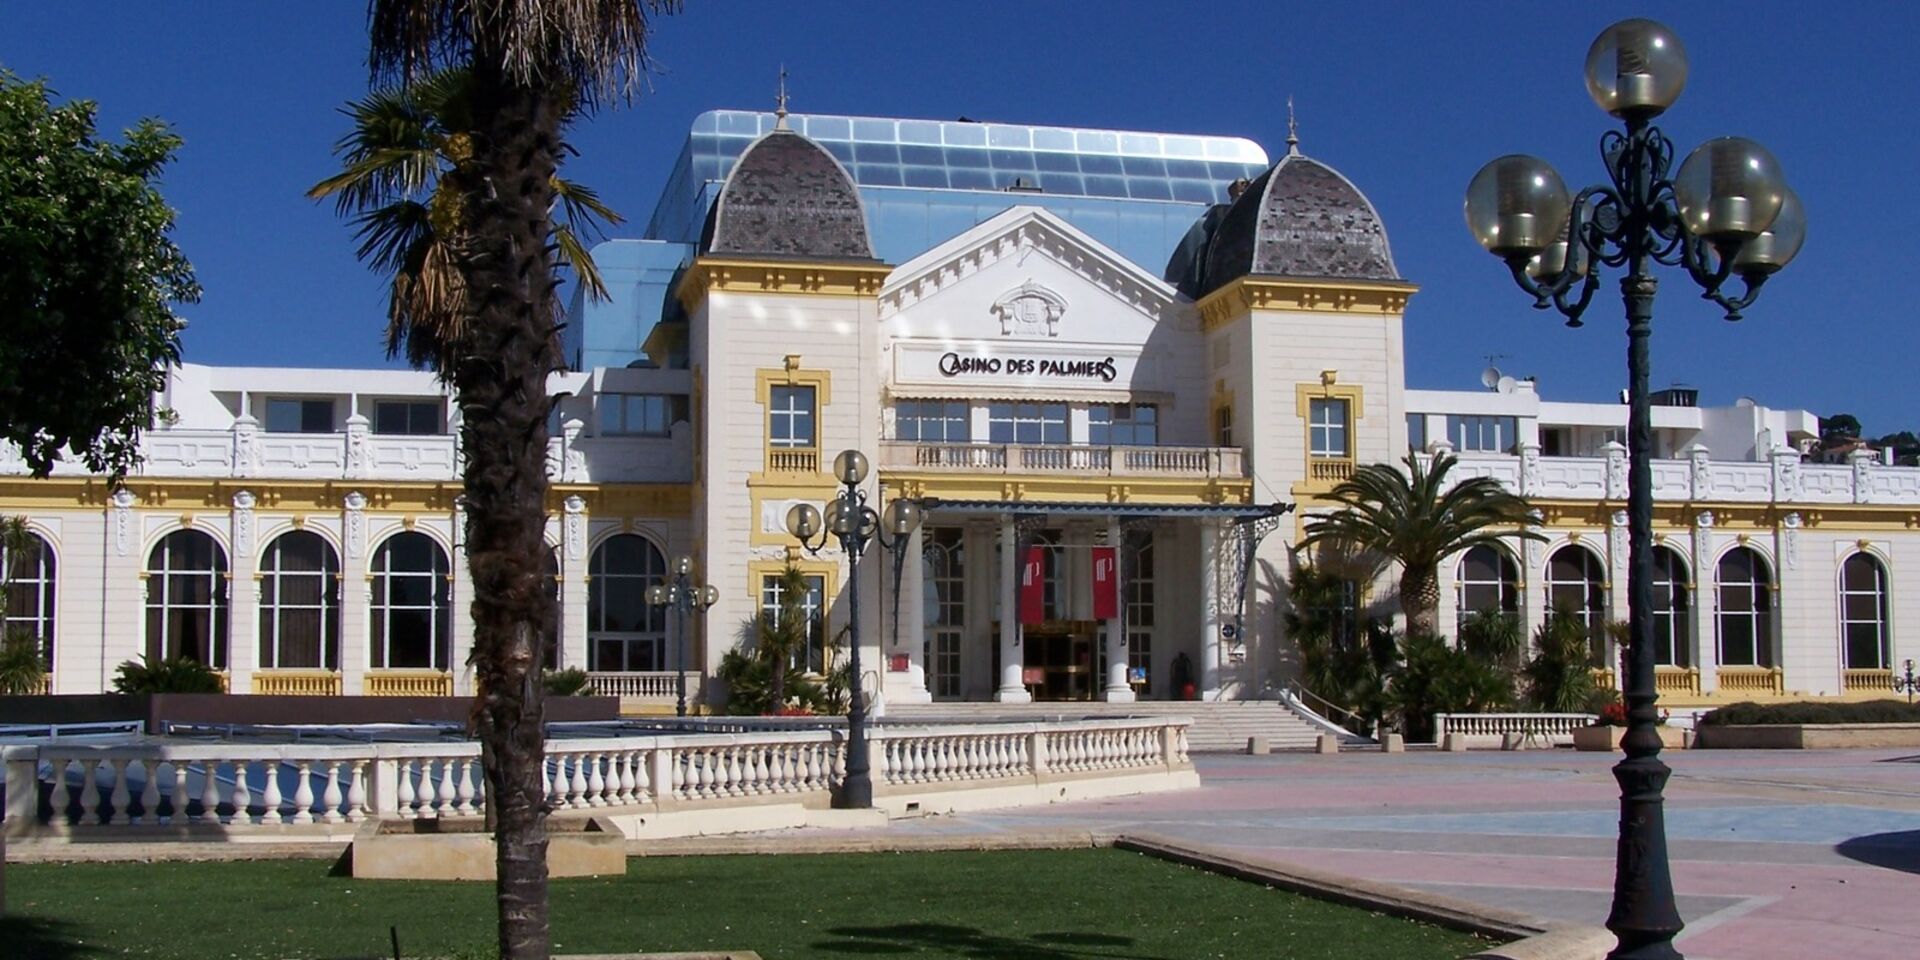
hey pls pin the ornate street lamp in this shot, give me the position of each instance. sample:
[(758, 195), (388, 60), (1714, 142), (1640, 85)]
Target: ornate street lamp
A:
[(1727, 213), (849, 520), (685, 597), (1907, 684)]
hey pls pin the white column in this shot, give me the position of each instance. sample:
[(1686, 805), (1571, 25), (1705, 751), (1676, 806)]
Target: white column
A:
[(461, 603), (1706, 647), (1209, 610), (1118, 690), (356, 595), (573, 585), (911, 686), (243, 598), (1011, 690)]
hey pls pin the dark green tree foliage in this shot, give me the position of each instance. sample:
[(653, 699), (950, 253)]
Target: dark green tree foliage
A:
[(173, 675), (1440, 678), (1560, 674), (1345, 655), (1871, 711), (88, 280)]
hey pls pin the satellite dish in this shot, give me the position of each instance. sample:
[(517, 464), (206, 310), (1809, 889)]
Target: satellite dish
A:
[(1505, 384), (1490, 377)]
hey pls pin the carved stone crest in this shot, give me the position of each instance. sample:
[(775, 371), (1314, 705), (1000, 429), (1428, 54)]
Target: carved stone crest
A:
[(1030, 310), (122, 500), (575, 529)]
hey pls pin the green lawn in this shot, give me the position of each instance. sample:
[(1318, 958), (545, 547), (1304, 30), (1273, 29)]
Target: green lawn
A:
[(1018, 905)]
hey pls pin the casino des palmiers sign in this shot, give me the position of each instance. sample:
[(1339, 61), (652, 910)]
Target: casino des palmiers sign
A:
[(1095, 366)]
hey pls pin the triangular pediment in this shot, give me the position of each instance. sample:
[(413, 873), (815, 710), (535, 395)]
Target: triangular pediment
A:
[(1028, 273)]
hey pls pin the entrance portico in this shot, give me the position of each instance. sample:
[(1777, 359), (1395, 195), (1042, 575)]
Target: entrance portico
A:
[(961, 634)]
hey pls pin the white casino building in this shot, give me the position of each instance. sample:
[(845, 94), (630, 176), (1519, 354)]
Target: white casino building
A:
[(1054, 338)]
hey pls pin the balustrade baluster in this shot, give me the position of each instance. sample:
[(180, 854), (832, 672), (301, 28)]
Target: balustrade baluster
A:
[(303, 792), (356, 792), (779, 773), (242, 797), (270, 793), (623, 777), (431, 803), (405, 792), (445, 795), (464, 789), (89, 793), (120, 798), (596, 781), (150, 792), (178, 800), (577, 787), (210, 791)]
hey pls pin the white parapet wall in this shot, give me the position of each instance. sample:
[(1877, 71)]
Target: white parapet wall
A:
[(650, 786), (1489, 729)]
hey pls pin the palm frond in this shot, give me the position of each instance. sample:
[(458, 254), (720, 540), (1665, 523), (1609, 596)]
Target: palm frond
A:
[(574, 254), (597, 47)]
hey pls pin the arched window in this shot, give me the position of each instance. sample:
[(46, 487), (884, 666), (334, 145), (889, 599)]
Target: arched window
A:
[(1670, 603), (1863, 613), (1745, 597), (28, 567), (624, 632), (299, 603), (187, 599), (1488, 580), (943, 569), (1577, 586), (412, 604)]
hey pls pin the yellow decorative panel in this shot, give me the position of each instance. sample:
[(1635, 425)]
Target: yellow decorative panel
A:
[(408, 683), (297, 683)]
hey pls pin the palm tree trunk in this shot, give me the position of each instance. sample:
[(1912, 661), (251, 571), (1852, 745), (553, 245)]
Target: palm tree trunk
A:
[(1420, 598), (500, 380)]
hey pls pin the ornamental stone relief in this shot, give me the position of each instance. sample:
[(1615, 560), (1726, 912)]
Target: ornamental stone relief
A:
[(1030, 310)]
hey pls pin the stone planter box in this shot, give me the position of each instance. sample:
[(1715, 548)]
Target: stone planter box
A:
[(1809, 736), (1608, 738), (462, 849)]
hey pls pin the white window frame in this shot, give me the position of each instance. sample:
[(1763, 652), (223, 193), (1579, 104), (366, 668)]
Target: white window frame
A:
[(160, 580), (273, 605), (786, 414), (640, 650), (1756, 612), (1329, 428), (38, 583), (1015, 416), (439, 608), (1881, 623), (813, 658)]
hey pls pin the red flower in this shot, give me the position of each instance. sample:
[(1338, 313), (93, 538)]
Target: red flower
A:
[(1613, 715)]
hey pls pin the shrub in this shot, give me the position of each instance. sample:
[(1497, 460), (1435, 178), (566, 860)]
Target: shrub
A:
[(173, 675), (1494, 636), (1871, 711), (1560, 674), (1436, 678), (22, 668), (571, 682)]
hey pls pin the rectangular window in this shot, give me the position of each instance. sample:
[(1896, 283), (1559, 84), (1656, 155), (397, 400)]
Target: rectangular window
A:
[(1482, 433), (1223, 425), (299, 416), (813, 659), (1123, 424), (790, 417), (932, 421), (1417, 431), (1327, 427), (1027, 423), (640, 414), (413, 418)]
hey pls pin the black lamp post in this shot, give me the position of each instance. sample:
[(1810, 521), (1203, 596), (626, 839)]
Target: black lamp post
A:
[(1727, 212), (1907, 684), (685, 597), (849, 520)]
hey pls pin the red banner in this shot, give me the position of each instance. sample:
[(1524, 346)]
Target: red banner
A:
[(1033, 586), (1106, 583)]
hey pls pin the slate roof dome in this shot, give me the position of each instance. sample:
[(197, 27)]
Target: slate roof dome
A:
[(788, 197), (1301, 220)]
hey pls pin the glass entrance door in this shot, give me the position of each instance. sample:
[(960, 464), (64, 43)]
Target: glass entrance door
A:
[(1059, 660)]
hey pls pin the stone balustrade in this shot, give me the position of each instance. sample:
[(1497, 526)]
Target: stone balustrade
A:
[(1078, 459), (237, 790), (1486, 729), (654, 686), (1782, 477)]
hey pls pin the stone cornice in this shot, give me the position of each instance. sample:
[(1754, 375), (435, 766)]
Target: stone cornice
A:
[(382, 496), (797, 277), (1364, 297)]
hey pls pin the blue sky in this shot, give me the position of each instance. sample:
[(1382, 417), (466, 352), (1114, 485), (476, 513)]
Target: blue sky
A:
[(1407, 99)]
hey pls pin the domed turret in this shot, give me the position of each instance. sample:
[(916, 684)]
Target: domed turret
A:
[(1300, 220), (788, 197)]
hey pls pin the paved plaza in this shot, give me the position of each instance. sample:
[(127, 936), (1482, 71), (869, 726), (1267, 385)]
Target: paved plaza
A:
[(1776, 854)]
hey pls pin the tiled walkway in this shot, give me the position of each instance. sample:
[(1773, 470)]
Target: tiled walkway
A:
[(1776, 854)]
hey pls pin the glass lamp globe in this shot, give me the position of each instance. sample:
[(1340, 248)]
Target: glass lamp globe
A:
[(657, 595), (1777, 245), (902, 517), (1516, 205), (1552, 261), (839, 521), (1729, 189), (1636, 69), (803, 521), (709, 595), (683, 565), (850, 466)]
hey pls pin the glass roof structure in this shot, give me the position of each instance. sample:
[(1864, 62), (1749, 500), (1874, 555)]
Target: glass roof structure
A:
[(964, 155)]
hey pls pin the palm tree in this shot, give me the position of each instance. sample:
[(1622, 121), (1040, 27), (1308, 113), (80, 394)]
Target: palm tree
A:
[(531, 65), (409, 215), (1415, 518)]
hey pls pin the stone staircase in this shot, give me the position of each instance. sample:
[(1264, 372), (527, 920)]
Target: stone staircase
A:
[(1218, 726)]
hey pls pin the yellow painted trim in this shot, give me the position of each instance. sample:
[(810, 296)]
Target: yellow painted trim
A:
[(797, 277), (828, 570), (762, 487), (1366, 297), (384, 497), (1321, 474), (1014, 488), (804, 461)]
